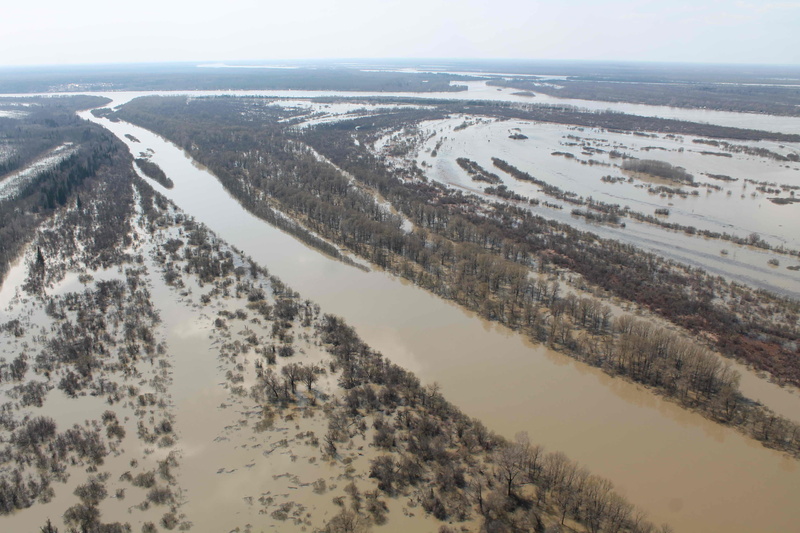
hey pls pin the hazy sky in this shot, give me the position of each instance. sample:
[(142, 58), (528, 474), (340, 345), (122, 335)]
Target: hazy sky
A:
[(95, 31)]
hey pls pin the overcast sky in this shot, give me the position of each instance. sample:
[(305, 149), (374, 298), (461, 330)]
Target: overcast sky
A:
[(103, 31)]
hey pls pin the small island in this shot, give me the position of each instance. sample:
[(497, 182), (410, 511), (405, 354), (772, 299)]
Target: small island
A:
[(154, 172)]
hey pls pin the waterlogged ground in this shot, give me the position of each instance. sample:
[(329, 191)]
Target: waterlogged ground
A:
[(583, 156), (120, 411), (182, 437), (736, 207), (577, 159), (8, 113)]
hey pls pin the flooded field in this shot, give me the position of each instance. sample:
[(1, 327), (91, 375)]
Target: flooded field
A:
[(194, 447), (578, 160), (679, 467), (575, 159)]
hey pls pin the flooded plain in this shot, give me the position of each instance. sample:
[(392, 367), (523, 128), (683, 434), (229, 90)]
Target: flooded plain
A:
[(733, 207), (226, 473), (677, 466), (575, 159)]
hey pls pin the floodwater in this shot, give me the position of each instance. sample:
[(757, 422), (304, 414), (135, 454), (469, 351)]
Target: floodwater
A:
[(69, 411), (244, 473), (677, 466), (225, 469), (739, 213), (229, 475), (721, 118), (715, 210)]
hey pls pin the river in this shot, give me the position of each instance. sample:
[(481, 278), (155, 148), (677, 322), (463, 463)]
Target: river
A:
[(676, 465)]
